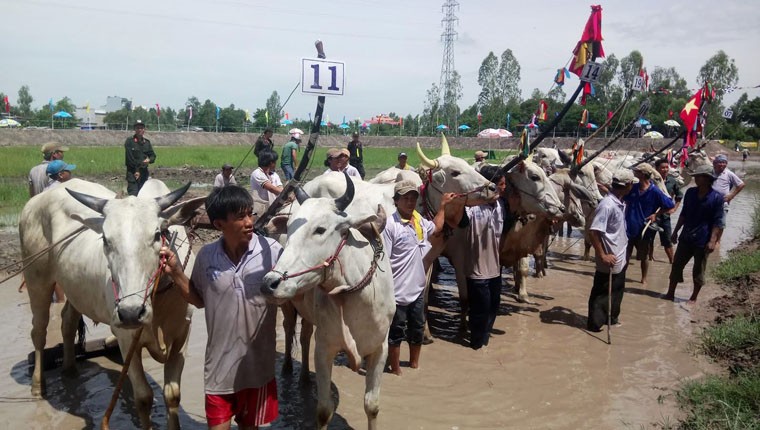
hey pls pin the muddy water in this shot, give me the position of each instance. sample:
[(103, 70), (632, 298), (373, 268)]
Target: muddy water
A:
[(541, 369)]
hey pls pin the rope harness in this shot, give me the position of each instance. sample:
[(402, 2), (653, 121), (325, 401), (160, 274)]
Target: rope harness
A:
[(377, 251)]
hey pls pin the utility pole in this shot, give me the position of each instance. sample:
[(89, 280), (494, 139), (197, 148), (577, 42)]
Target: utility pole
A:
[(449, 35)]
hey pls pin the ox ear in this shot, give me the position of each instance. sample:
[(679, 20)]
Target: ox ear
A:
[(277, 225), (582, 193), (368, 230), (181, 213), (95, 223)]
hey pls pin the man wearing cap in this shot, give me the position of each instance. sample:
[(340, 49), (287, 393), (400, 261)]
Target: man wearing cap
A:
[(265, 182), (38, 177), (226, 177), (402, 158), (643, 204), (610, 242), (289, 157), (701, 218), (59, 172), (406, 238), (727, 183), (139, 153), (480, 159), (356, 154), (337, 161)]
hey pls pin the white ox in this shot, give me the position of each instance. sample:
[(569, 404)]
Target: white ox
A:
[(116, 255), (394, 174), (341, 282)]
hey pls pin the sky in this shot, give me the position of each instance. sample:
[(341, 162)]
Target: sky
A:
[(239, 51)]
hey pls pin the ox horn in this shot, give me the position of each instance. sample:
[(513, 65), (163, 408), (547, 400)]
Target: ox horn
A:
[(301, 195), (342, 202), (444, 145), (426, 162), (171, 198), (94, 203)]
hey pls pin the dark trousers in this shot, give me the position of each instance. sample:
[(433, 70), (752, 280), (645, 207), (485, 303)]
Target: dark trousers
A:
[(484, 296), (134, 185), (358, 165), (597, 301), (408, 323)]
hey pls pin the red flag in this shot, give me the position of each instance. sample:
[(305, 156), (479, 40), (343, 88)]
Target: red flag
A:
[(610, 114), (670, 114), (158, 110), (643, 73), (542, 110), (590, 45), (400, 121), (690, 116), (7, 105), (480, 118)]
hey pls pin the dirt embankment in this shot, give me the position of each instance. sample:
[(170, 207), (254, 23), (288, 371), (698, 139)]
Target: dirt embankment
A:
[(25, 137)]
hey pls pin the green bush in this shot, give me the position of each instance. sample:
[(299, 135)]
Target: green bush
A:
[(737, 266), (736, 334)]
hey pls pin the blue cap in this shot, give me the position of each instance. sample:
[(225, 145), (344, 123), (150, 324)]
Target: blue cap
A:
[(57, 166)]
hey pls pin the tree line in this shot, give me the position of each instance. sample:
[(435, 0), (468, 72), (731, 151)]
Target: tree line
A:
[(500, 104)]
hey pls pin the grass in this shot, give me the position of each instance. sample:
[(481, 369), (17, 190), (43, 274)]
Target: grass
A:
[(96, 162), (738, 266), (720, 402), (732, 336)]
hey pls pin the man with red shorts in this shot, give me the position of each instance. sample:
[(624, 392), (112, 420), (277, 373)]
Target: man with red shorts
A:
[(239, 377)]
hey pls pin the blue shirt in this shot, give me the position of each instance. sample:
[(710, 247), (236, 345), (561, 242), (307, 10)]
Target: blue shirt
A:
[(700, 216), (640, 205)]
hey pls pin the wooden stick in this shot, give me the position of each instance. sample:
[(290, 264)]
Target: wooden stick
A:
[(115, 396), (609, 308)]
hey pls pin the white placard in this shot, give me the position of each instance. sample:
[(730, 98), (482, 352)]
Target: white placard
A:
[(638, 83), (322, 77), (591, 72), (728, 113)]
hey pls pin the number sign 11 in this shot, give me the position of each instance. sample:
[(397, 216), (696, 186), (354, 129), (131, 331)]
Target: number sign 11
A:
[(322, 77)]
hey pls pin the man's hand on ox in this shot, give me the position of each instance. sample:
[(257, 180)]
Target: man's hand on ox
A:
[(171, 267)]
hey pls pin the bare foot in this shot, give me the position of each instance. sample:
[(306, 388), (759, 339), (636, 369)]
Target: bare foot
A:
[(396, 372), (414, 365), (692, 302), (644, 282)]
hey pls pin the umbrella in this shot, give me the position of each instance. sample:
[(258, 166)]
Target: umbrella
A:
[(642, 121), (672, 123), (591, 126), (323, 124), (9, 123), (286, 122), (464, 127), (295, 131), (344, 126), (366, 125), (62, 114), (654, 135), (531, 125), (492, 133), (442, 127)]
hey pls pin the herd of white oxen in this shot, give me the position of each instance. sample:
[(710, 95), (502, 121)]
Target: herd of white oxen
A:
[(334, 223)]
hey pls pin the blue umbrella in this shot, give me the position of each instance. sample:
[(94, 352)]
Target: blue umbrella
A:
[(286, 122), (344, 126), (62, 114), (642, 121), (442, 127), (464, 127), (323, 124)]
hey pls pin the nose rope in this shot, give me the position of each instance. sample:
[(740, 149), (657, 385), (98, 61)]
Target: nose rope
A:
[(329, 261), (428, 207)]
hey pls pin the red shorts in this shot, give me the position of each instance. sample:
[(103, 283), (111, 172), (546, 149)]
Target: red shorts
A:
[(250, 407)]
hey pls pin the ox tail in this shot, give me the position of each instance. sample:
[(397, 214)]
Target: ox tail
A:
[(81, 332)]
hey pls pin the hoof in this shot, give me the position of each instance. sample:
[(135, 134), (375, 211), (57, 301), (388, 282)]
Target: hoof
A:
[(522, 299), (38, 392)]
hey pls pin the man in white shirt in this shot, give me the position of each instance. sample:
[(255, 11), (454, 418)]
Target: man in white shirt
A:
[(337, 161), (38, 177), (226, 177), (727, 183), (406, 237), (265, 183)]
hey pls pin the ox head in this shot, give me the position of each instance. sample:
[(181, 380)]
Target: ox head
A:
[(578, 200), (537, 194), (315, 231), (132, 232), (449, 174)]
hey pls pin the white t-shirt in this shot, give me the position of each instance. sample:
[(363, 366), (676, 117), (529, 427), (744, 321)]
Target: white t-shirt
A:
[(350, 171), (405, 252), (220, 182), (38, 178), (484, 236), (609, 220), (258, 179)]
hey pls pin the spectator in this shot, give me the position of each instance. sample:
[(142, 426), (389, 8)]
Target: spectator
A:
[(663, 220), (265, 183), (59, 172), (356, 154), (139, 154), (406, 237), (701, 219), (38, 177), (643, 204), (239, 379), (608, 236), (337, 161), (480, 160), (264, 143), (226, 177), (289, 158), (402, 158), (726, 183)]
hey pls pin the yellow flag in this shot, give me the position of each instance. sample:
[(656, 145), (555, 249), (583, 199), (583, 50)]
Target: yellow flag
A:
[(247, 115), (88, 107), (266, 115)]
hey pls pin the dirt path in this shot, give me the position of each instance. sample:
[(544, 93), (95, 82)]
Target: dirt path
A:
[(541, 370)]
